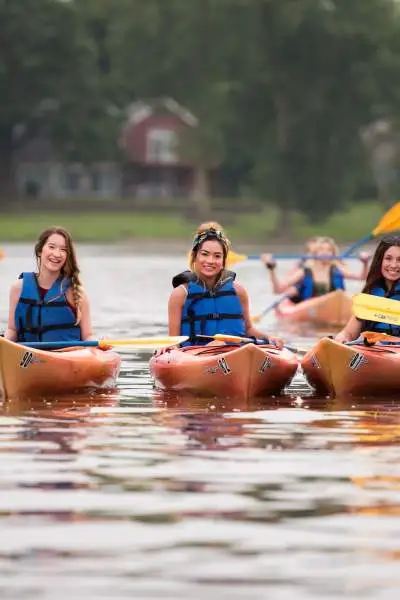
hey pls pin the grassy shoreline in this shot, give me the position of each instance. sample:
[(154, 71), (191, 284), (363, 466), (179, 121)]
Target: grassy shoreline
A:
[(141, 228)]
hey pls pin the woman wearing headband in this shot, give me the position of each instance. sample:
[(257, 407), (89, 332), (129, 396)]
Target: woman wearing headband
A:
[(207, 300)]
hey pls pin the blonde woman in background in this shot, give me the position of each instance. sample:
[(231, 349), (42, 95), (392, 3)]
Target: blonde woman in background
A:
[(316, 276)]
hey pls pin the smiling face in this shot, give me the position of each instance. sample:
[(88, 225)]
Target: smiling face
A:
[(54, 253), (209, 260), (391, 265)]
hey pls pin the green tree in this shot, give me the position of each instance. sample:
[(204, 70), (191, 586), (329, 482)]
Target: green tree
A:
[(45, 67)]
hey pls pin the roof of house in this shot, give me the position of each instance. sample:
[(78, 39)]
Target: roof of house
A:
[(141, 109)]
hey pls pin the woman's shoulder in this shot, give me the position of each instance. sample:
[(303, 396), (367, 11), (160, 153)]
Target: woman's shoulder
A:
[(16, 286), (239, 288), (180, 291)]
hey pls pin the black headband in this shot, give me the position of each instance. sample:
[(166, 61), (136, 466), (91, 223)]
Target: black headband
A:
[(209, 234)]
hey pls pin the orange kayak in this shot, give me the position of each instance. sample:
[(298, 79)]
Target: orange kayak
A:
[(333, 309), (336, 369), (224, 370), (27, 372)]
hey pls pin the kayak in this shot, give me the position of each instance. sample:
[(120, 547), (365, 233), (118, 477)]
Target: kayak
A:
[(224, 370), (28, 372), (342, 370), (333, 309)]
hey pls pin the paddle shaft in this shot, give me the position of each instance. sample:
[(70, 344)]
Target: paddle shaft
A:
[(60, 345), (137, 342)]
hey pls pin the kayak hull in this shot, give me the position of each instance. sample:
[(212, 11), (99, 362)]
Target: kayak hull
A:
[(333, 309), (224, 370), (341, 370), (28, 372)]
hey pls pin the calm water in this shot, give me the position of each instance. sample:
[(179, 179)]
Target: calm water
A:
[(134, 495)]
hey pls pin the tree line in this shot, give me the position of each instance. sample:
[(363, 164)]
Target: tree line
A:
[(283, 89)]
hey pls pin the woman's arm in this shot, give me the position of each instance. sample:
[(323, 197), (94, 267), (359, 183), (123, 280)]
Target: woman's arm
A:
[(351, 331), (279, 287), (86, 319), (175, 306), (250, 329), (362, 276), (15, 292)]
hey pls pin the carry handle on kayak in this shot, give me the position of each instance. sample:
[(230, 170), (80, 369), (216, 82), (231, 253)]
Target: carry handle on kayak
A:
[(236, 339)]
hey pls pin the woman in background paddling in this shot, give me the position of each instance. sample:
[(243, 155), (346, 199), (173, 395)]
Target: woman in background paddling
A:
[(383, 280), (315, 277), (50, 305), (207, 300)]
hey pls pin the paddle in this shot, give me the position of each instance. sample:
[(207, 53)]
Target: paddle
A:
[(275, 303), (237, 339), (388, 223), (135, 342), (375, 308)]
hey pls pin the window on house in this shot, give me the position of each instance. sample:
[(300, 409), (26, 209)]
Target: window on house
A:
[(97, 181), (72, 181), (161, 146)]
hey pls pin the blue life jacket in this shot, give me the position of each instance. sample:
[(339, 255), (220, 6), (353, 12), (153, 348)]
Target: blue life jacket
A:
[(381, 291), (207, 312), (306, 286), (48, 319)]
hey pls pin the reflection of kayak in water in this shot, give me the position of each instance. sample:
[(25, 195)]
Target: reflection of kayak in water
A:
[(68, 408), (341, 370), (225, 370), (381, 482), (2, 254), (332, 309)]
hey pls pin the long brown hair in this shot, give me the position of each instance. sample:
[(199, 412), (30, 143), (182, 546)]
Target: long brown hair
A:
[(375, 271), (209, 231), (70, 270)]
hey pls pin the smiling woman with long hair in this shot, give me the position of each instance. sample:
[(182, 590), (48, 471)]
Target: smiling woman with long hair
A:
[(383, 279), (50, 304)]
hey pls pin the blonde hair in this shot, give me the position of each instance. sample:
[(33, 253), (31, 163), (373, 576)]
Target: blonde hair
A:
[(333, 246), (70, 270), (209, 231), (331, 242)]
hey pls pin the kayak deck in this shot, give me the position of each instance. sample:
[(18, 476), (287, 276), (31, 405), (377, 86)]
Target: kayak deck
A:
[(358, 370), (333, 309), (224, 370)]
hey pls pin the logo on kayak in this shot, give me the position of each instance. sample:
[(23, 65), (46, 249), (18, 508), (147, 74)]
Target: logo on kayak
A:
[(267, 364), (315, 362), (26, 360), (223, 365), (29, 359), (357, 361)]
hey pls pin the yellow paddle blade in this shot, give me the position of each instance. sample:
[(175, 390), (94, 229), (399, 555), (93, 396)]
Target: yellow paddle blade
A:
[(234, 258), (389, 222), (375, 308), (256, 318), (155, 342), (373, 337)]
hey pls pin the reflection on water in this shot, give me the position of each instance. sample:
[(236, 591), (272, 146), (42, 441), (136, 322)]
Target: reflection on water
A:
[(138, 494)]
